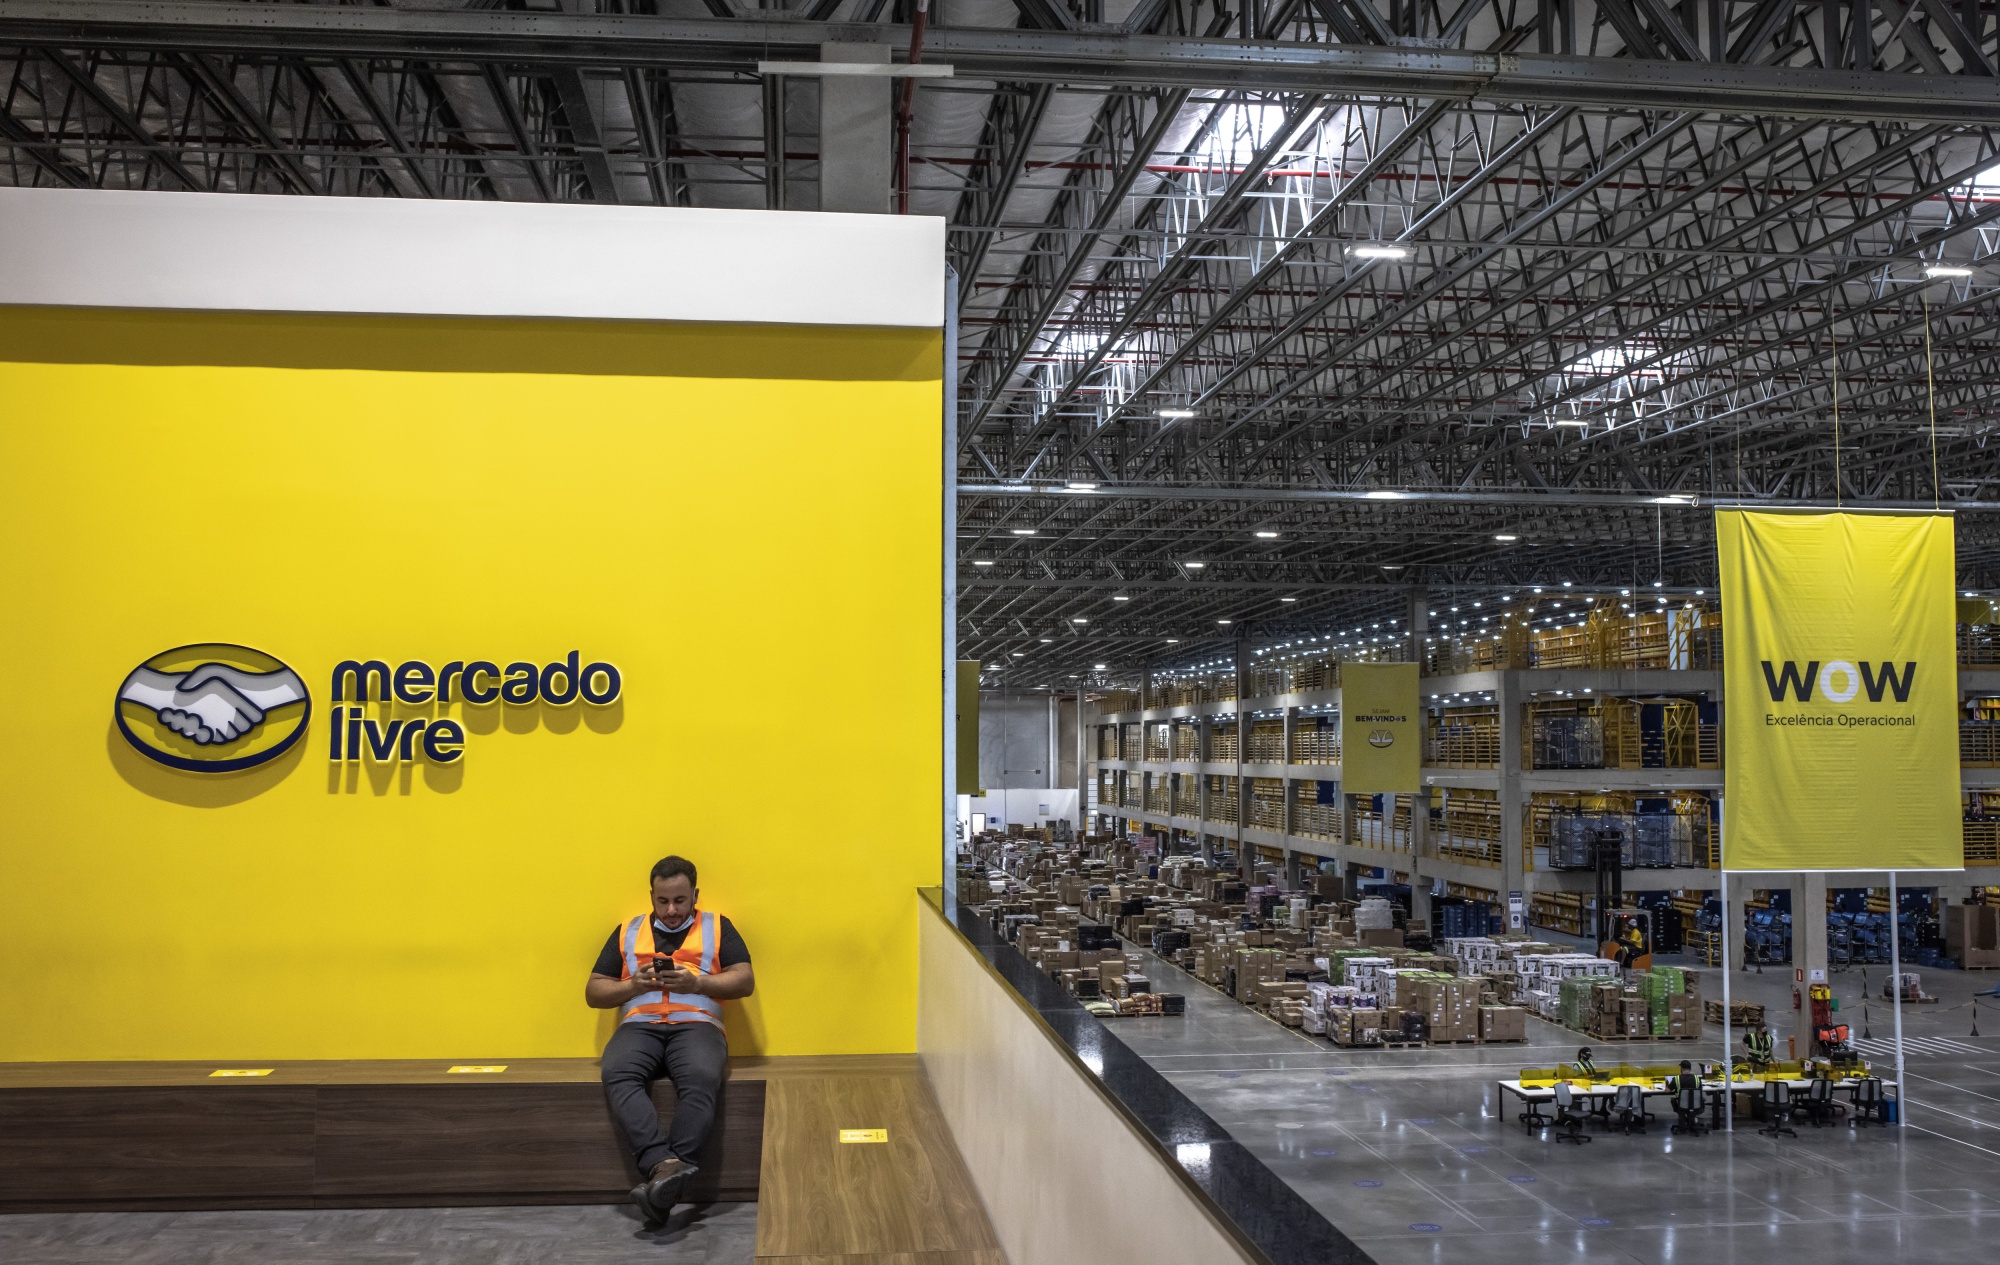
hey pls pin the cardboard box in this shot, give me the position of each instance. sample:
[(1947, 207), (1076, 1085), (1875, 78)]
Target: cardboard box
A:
[(1972, 935), (1503, 1023), (1380, 938)]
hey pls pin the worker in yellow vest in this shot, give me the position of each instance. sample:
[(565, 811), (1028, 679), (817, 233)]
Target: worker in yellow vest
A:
[(668, 971), (1758, 1043)]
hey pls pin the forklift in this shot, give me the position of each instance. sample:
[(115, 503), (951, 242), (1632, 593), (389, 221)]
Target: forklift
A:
[(1625, 936)]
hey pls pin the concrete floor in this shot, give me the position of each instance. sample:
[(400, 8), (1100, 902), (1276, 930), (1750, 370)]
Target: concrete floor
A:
[(1414, 1156), (718, 1234)]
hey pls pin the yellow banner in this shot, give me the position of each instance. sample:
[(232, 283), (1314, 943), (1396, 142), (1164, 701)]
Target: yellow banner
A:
[(1840, 689), (1381, 728), (968, 728)]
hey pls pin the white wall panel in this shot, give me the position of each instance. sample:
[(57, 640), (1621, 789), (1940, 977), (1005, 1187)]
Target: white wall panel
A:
[(259, 253), (1064, 1176)]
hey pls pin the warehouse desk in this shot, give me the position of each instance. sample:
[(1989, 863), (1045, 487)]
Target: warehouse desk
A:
[(1598, 1094)]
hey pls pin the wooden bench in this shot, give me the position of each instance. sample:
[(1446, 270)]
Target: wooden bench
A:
[(377, 1133), (160, 1136)]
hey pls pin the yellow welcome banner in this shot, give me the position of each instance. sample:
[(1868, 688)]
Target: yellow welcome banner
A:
[(1381, 728), (1840, 692)]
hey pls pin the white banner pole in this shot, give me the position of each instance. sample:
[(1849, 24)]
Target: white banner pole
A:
[(1896, 986), (1728, 1081)]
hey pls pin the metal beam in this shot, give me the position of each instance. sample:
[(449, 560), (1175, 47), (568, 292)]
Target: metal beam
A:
[(586, 133), (1098, 56), (1011, 123), (219, 81), (1025, 320), (46, 153), (1550, 499), (123, 119)]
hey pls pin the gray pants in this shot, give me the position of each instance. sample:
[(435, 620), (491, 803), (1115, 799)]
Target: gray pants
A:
[(691, 1055)]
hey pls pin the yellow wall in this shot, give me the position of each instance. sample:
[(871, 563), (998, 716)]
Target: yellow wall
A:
[(744, 519)]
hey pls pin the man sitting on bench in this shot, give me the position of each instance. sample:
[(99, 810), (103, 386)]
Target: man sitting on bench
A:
[(668, 971)]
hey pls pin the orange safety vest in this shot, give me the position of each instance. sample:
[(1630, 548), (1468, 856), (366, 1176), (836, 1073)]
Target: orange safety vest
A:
[(699, 952)]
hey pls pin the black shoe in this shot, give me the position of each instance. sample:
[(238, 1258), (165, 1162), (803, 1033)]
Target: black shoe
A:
[(649, 1216), (663, 1187)]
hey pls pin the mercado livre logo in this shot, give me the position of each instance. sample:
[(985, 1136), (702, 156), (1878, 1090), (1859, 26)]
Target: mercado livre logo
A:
[(212, 707)]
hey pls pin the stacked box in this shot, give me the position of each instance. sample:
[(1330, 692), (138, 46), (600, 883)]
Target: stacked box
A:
[(1354, 1027), (1670, 1004), (1503, 1023), (1972, 935), (1636, 1021), (1363, 971)]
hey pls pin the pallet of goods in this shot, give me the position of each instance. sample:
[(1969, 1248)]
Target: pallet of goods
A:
[(1331, 968), (1742, 1014)]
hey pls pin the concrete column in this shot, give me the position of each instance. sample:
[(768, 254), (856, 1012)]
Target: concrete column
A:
[(1082, 771), (1419, 622), (1242, 667), (1050, 763), (1513, 800), (1420, 899), (1203, 732), (856, 151), (1808, 948)]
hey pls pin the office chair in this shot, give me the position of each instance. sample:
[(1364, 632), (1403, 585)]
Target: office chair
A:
[(1777, 1109), (1868, 1101), (1567, 1115), (1819, 1102), (1630, 1105), (1687, 1105)]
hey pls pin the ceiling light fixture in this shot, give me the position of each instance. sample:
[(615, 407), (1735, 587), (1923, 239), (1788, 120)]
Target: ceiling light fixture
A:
[(1267, 535), (981, 562), (1224, 621), (1195, 566), (1079, 620), (1120, 597), (1504, 538), (1174, 414), (1075, 486), (1383, 494), (1023, 531), (1294, 599), (1936, 271), (1379, 250), (1673, 500)]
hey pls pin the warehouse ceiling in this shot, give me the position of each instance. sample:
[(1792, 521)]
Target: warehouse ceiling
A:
[(1271, 311)]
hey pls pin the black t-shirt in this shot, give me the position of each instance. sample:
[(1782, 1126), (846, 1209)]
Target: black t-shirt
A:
[(611, 961)]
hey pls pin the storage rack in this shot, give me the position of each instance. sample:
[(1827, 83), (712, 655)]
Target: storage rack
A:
[(1657, 737), (1464, 737)]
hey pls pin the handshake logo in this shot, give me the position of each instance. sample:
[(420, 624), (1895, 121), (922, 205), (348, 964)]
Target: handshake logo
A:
[(212, 708)]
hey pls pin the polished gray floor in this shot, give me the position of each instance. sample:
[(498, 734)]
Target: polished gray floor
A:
[(1415, 1157), (719, 1234)]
